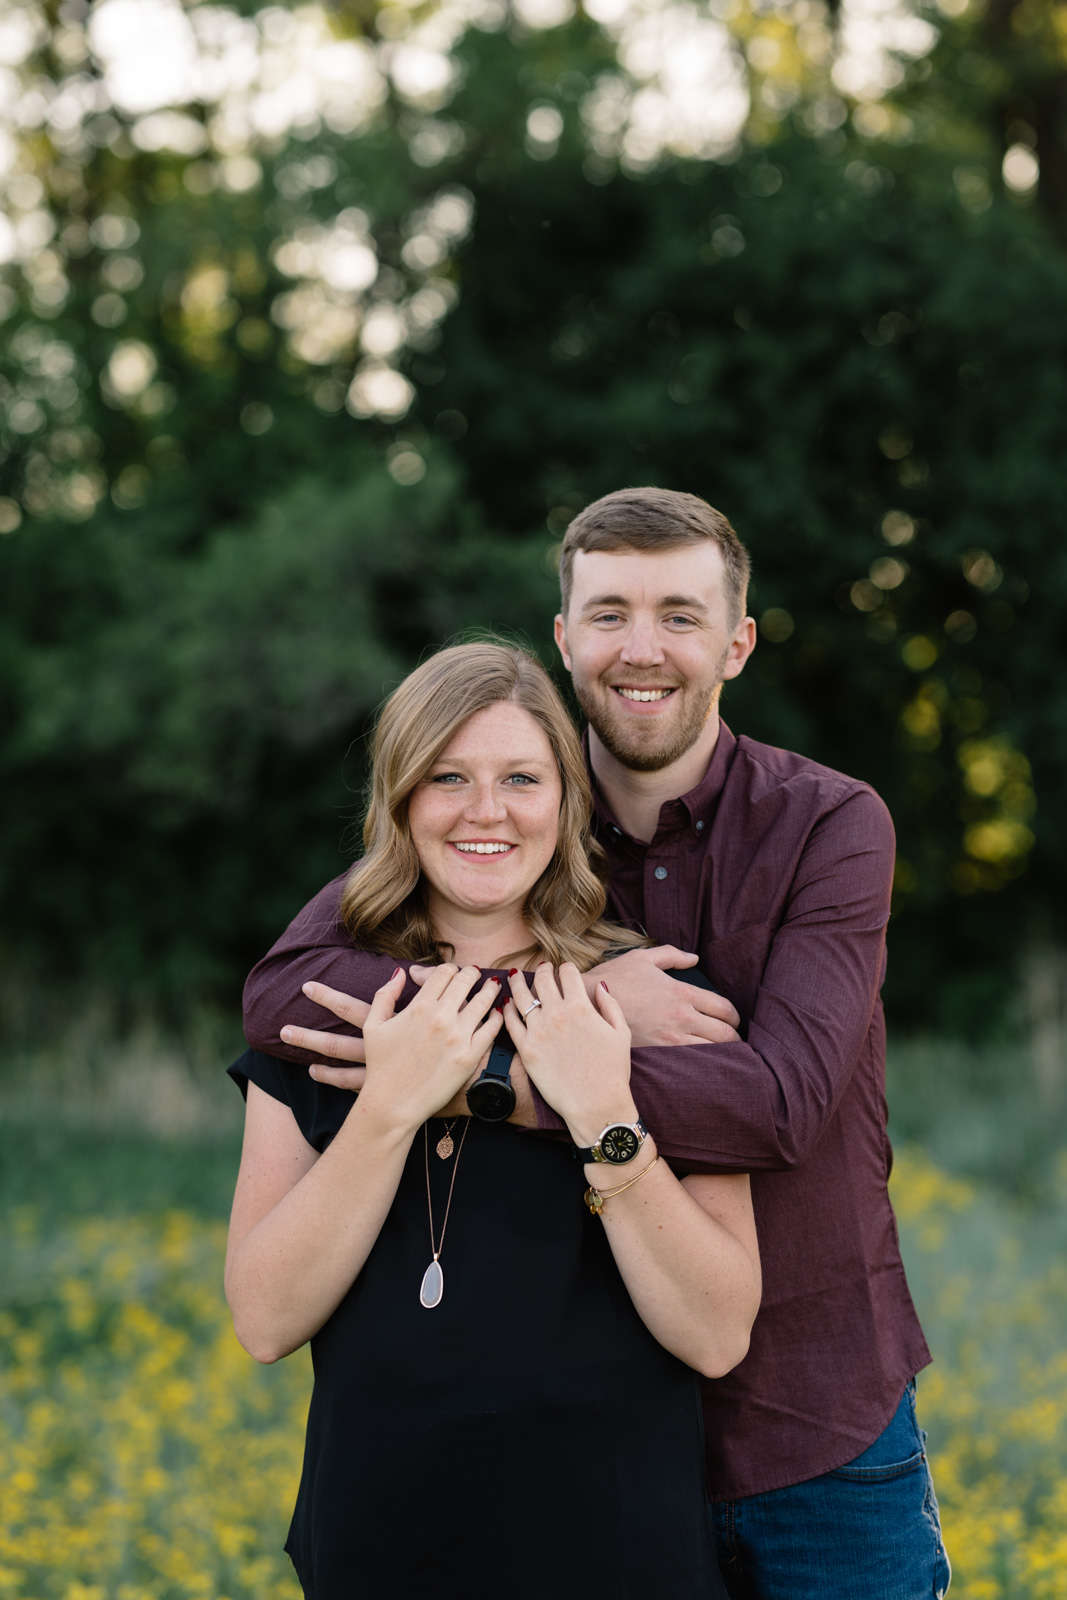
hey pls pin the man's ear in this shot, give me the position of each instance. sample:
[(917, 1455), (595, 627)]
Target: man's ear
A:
[(560, 630), (741, 647)]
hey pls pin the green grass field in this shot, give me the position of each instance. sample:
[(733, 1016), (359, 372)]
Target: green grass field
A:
[(145, 1457)]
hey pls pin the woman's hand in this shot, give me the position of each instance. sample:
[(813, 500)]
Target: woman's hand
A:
[(576, 1052), (419, 1060)]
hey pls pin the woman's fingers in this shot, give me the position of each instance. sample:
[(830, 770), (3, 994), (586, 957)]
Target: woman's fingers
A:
[(570, 981), (383, 1006), (514, 1024), (435, 984), (482, 1001), (608, 1007), (447, 986), (482, 1038), (547, 984), (520, 992), (519, 984), (546, 988), (462, 986)]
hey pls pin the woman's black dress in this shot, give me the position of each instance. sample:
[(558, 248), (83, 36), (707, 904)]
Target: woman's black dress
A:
[(527, 1439)]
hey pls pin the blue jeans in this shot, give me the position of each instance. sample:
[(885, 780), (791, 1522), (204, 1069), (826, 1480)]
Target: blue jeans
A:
[(867, 1531)]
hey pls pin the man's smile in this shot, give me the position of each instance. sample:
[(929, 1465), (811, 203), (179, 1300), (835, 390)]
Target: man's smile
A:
[(642, 696)]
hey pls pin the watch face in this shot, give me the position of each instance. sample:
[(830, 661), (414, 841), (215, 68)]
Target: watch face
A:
[(491, 1101), (619, 1144)]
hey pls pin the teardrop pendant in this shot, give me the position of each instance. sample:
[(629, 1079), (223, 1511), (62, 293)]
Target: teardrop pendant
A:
[(433, 1286), (445, 1146)]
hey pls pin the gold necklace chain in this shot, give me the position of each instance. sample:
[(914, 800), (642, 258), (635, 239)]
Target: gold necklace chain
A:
[(432, 1290)]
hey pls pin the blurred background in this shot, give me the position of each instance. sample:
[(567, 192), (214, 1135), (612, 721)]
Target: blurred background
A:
[(320, 322)]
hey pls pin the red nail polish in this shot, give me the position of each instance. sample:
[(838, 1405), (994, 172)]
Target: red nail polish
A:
[(604, 986), (396, 973), (500, 1009), (513, 972)]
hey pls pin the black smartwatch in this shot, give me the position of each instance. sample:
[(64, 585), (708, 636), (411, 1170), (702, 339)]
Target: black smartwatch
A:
[(491, 1098)]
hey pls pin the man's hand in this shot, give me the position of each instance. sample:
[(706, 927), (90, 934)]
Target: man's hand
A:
[(659, 1010), (338, 1045)]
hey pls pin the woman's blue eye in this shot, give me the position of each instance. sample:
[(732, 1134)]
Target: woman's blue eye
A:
[(457, 777)]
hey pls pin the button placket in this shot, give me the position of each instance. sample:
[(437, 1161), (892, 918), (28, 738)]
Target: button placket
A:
[(662, 883)]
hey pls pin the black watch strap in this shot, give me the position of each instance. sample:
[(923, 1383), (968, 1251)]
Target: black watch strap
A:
[(500, 1059)]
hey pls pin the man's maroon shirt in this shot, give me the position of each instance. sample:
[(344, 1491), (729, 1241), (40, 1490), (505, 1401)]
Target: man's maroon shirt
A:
[(777, 873)]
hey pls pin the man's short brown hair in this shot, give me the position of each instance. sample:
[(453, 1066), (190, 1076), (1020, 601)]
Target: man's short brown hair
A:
[(655, 519)]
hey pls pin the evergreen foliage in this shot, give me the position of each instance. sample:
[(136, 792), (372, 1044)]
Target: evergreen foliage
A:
[(220, 570)]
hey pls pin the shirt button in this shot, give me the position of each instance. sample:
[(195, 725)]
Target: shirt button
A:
[(616, 831), (660, 872), (700, 826)]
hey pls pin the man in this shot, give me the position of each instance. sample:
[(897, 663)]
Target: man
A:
[(774, 874)]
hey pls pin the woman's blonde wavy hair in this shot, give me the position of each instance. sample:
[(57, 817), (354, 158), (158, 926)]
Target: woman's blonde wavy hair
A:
[(383, 906)]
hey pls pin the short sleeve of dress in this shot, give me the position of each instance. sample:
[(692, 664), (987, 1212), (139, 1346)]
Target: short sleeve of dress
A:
[(318, 1108)]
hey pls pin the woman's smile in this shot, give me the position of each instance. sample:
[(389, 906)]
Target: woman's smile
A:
[(481, 847)]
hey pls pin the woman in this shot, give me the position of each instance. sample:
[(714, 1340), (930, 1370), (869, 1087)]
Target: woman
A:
[(505, 1397)]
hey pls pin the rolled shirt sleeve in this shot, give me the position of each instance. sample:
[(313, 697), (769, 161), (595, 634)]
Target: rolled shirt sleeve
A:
[(807, 1003)]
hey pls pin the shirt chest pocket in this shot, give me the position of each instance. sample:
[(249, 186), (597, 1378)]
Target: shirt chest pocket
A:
[(735, 964)]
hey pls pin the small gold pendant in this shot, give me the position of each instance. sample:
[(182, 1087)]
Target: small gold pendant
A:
[(594, 1200), (445, 1146)]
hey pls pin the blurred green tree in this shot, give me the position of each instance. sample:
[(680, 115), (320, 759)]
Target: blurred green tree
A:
[(283, 410)]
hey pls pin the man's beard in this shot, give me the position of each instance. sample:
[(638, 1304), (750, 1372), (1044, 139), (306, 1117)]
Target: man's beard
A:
[(635, 746)]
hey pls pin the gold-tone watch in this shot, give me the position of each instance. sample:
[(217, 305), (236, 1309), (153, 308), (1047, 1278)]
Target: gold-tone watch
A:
[(619, 1143)]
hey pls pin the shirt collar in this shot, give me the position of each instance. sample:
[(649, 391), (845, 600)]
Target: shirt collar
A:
[(695, 809)]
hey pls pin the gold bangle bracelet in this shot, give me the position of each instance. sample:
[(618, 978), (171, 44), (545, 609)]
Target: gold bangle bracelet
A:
[(594, 1198)]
